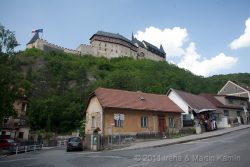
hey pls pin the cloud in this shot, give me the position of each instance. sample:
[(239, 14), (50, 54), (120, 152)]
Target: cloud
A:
[(202, 66), (244, 39), (172, 40)]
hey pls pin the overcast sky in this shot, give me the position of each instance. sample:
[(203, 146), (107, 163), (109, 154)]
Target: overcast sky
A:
[(206, 37)]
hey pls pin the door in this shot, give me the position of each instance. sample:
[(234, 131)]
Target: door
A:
[(162, 125)]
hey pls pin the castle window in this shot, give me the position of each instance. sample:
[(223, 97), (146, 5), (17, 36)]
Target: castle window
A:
[(105, 49), (116, 51)]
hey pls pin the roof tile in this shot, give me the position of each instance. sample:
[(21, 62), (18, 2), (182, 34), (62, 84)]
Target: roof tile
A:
[(112, 98)]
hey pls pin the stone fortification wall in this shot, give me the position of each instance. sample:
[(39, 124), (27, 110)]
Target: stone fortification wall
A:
[(144, 53), (48, 47)]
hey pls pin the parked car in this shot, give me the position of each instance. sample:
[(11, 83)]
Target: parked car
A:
[(74, 143), (8, 144)]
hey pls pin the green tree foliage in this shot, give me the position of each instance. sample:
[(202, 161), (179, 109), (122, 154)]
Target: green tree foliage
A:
[(58, 85), (8, 75), (7, 40)]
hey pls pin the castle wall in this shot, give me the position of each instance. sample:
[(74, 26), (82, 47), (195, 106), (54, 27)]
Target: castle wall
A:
[(112, 50), (48, 47), (101, 46), (144, 53)]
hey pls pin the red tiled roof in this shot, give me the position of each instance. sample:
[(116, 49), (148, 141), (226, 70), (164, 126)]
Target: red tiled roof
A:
[(195, 101), (120, 99), (217, 103)]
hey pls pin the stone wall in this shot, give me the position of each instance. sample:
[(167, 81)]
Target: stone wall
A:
[(111, 50), (100, 47), (143, 53), (48, 47)]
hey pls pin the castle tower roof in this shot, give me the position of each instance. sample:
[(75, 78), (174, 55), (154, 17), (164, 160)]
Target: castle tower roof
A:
[(34, 38)]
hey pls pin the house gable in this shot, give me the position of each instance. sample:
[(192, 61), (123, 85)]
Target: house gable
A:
[(94, 112), (178, 100), (231, 88)]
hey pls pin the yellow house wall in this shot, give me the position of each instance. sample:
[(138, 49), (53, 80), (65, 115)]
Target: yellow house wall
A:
[(132, 122)]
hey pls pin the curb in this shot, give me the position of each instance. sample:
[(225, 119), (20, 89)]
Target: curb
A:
[(3, 156), (184, 141)]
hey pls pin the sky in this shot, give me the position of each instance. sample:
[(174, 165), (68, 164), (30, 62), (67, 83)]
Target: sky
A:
[(206, 37)]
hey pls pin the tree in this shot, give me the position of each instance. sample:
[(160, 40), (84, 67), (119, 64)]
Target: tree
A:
[(7, 73), (7, 40)]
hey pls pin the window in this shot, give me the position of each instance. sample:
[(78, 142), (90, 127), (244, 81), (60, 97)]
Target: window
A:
[(226, 113), (230, 101), (118, 123), (5, 120), (20, 135), (23, 106), (238, 113), (118, 119), (144, 122), (171, 122), (93, 121)]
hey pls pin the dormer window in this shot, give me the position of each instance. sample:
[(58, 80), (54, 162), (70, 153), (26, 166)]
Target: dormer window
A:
[(142, 98)]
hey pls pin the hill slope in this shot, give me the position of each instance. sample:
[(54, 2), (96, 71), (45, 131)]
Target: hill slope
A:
[(58, 84)]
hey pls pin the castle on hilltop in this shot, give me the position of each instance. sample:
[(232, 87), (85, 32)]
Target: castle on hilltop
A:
[(105, 44)]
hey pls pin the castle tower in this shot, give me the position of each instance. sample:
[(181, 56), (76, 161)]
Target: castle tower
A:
[(31, 43)]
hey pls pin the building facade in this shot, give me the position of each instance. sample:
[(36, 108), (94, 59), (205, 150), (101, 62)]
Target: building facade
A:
[(17, 127), (191, 104), (235, 89), (126, 113), (230, 109)]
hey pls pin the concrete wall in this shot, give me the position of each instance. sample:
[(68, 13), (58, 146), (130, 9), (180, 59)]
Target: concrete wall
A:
[(25, 131)]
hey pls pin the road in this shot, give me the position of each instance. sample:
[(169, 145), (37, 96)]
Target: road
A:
[(229, 150)]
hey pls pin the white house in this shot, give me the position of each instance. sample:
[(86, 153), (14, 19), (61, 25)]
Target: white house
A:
[(189, 102)]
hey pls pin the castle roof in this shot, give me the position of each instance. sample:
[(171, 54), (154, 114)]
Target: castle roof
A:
[(154, 49), (34, 38), (149, 46), (112, 35)]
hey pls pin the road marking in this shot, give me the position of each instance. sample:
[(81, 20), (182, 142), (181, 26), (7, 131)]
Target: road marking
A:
[(14, 160)]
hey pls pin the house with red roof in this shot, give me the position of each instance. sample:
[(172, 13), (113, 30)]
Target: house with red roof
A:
[(230, 110), (126, 113), (191, 104)]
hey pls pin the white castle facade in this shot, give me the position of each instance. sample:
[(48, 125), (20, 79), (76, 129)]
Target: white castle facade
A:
[(105, 44)]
